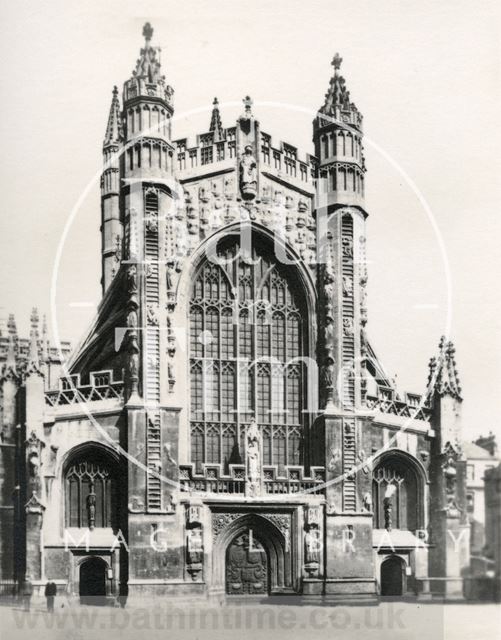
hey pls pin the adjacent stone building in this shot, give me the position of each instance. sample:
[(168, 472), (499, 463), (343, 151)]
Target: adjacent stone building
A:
[(493, 525), (481, 456), (225, 428)]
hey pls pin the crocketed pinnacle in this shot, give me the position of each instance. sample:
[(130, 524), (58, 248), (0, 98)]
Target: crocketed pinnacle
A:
[(148, 66), (10, 362), (11, 325), (33, 356), (216, 126), (337, 94), (443, 378), (113, 129)]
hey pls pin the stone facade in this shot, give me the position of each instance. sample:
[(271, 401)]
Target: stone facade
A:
[(493, 524), (481, 456), (362, 494)]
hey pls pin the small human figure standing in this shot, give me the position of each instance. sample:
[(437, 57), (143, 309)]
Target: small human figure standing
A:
[(123, 594), (50, 595), (26, 593)]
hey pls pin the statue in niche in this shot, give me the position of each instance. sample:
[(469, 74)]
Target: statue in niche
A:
[(335, 459), (312, 545), (253, 451), (195, 546), (329, 335), (248, 174), (253, 459), (91, 509), (169, 274), (387, 507)]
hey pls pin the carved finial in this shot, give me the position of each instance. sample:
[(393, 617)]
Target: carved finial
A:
[(336, 61), (45, 339), (34, 319), (147, 32), (443, 377), (33, 351), (11, 354), (215, 122), (248, 105), (113, 128), (11, 325)]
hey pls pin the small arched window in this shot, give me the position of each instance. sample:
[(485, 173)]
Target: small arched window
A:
[(91, 492), (396, 496)]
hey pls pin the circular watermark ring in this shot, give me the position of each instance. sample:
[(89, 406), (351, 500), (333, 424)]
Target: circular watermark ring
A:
[(268, 104)]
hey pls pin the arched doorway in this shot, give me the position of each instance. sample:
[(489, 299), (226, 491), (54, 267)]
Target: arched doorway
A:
[(246, 566), (269, 543), (392, 576), (93, 581)]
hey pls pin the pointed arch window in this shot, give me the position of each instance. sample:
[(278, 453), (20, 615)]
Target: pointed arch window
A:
[(248, 330), (396, 495), (91, 492)]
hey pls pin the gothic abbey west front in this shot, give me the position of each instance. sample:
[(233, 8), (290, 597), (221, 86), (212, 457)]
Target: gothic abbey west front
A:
[(226, 427)]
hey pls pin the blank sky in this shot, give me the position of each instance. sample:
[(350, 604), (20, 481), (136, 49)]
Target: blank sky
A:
[(424, 74)]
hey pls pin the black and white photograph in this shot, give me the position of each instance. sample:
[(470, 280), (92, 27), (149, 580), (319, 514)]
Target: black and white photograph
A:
[(250, 370)]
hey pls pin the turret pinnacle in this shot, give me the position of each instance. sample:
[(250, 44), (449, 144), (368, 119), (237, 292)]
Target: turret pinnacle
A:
[(148, 66), (443, 378), (337, 97), (11, 326), (113, 129), (10, 362), (45, 340), (215, 122), (33, 352), (147, 80)]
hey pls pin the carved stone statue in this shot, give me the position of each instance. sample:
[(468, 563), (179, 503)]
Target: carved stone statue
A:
[(195, 548), (248, 174), (312, 546), (91, 509), (253, 458), (253, 452), (387, 508)]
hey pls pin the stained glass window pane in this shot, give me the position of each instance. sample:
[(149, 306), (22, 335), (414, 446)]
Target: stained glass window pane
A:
[(196, 328), (278, 336), (245, 330), (227, 340), (213, 445), (197, 448), (228, 391), (279, 447), (212, 333)]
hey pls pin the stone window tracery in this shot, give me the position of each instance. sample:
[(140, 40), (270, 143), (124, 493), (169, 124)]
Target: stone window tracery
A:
[(395, 495), (90, 485), (247, 338)]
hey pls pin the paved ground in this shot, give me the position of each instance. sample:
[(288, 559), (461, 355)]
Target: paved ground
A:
[(160, 619)]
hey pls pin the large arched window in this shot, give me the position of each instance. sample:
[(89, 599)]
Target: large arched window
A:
[(247, 341), (397, 497), (91, 491)]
